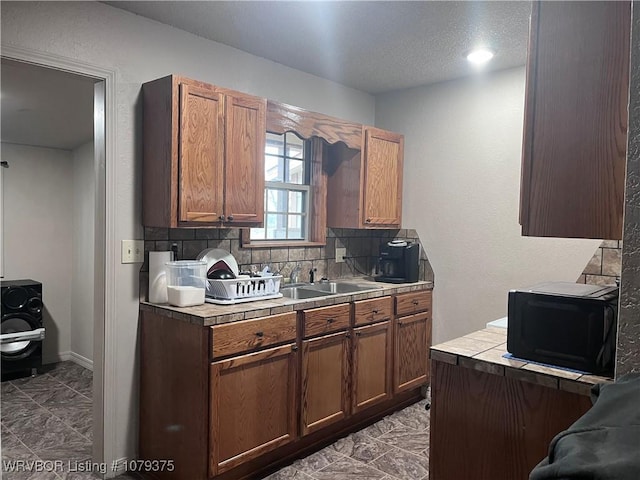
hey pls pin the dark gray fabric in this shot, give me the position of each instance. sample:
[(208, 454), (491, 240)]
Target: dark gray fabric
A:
[(603, 444)]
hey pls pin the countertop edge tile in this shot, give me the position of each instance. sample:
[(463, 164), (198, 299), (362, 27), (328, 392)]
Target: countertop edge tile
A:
[(211, 314)]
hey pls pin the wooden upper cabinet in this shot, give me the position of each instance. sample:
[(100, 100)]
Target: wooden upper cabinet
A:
[(203, 162), (575, 130), (382, 178), (364, 187), (201, 155), (244, 175)]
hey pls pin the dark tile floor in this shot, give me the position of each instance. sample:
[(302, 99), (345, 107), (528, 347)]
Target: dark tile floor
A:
[(396, 447), (48, 418)]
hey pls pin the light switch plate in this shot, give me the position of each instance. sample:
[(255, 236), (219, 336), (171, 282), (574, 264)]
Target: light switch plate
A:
[(132, 251), (340, 254)]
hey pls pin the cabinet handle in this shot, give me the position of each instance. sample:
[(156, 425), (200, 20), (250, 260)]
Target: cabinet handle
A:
[(368, 220), (230, 218), (375, 312), (399, 323), (222, 218), (358, 334), (415, 302), (294, 348), (329, 320), (259, 334)]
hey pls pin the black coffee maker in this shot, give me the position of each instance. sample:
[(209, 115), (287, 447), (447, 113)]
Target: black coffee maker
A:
[(398, 262)]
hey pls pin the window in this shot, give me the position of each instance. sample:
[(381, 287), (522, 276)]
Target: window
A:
[(287, 189)]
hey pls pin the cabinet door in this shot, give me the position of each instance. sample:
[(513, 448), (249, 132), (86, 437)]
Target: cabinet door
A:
[(252, 407), (575, 132), (411, 351), (325, 375), (382, 189), (201, 155), (244, 175), (371, 365)]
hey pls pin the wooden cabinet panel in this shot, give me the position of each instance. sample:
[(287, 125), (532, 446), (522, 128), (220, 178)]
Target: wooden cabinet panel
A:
[(283, 118), (325, 319), (575, 133), (370, 311), (245, 143), (372, 363), (414, 302), (411, 351), (252, 406), (382, 199), (238, 337), (364, 187), (325, 376), (203, 156), (503, 425)]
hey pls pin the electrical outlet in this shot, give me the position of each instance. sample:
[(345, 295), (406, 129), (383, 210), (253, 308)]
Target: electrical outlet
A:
[(132, 251), (340, 254)]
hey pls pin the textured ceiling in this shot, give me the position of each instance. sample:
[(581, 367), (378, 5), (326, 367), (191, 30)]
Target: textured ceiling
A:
[(45, 107), (371, 46)]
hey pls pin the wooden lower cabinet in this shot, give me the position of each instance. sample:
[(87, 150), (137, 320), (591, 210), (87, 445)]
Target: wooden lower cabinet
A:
[(492, 427), (252, 406), (236, 400), (412, 336), (372, 361), (325, 377)]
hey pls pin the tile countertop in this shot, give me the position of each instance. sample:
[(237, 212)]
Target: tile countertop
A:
[(483, 350), (210, 314)]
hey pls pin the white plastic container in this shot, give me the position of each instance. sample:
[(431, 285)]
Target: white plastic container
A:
[(158, 276), (186, 282)]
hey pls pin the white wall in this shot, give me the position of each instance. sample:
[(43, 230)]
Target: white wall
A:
[(37, 233), (140, 50), (463, 142), (83, 213)]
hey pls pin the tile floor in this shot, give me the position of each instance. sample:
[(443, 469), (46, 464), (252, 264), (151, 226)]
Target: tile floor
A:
[(396, 447), (48, 417)]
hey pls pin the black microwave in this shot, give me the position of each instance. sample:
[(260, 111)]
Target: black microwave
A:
[(564, 324)]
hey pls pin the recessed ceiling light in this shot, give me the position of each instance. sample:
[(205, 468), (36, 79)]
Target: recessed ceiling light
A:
[(479, 56)]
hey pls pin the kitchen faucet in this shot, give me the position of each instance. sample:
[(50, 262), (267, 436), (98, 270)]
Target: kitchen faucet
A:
[(311, 275), (294, 275)]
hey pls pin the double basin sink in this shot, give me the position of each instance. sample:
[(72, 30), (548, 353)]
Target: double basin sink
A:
[(300, 291)]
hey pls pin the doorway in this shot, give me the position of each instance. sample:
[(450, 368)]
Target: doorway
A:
[(53, 140)]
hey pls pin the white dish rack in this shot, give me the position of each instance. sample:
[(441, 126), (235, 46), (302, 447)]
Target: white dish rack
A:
[(238, 290)]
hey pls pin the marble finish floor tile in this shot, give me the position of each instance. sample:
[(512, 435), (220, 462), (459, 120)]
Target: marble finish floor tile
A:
[(402, 465), (49, 418), (394, 448), (348, 469), (289, 473), (406, 438), (361, 446), (318, 460)]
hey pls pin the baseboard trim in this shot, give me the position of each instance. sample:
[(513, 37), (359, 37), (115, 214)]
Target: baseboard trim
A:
[(73, 357), (80, 360)]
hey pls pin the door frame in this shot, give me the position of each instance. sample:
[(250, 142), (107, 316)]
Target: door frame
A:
[(106, 245)]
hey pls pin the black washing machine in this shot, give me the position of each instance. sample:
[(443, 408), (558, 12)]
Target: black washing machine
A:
[(22, 331)]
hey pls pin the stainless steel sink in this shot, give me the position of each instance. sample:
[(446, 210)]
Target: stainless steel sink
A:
[(339, 287), (300, 293)]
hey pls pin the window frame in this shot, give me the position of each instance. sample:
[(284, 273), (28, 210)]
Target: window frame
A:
[(316, 223)]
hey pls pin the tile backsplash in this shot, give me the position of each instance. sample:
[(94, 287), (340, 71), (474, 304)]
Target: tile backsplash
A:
[(605, 265), (361, 245)]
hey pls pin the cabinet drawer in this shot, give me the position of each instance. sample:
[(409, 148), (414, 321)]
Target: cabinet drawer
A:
[(325, 319), (414, 302), (238, 337), (374, 310)]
